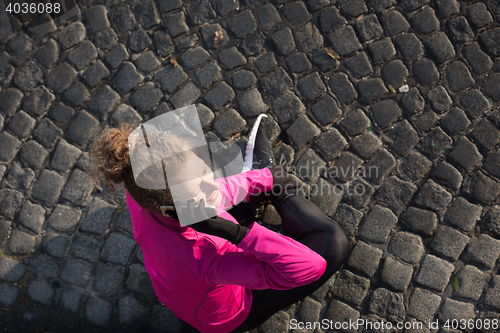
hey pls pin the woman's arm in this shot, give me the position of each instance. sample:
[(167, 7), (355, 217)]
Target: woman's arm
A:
[(265, 260)]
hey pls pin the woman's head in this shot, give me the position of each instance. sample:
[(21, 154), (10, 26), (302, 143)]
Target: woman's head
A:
[(113, 148)]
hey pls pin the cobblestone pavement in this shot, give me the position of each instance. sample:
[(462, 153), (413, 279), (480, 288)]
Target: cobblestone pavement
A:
[(408, 90)]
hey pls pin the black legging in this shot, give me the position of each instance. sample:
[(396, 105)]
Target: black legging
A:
[(308, 224)]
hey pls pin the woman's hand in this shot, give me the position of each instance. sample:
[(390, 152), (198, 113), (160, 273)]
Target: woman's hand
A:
[(216, 226)]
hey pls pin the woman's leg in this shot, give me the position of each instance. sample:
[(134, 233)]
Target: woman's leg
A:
[(308, 224)]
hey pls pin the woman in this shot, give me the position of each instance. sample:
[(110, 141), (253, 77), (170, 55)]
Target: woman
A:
[(215, 274)]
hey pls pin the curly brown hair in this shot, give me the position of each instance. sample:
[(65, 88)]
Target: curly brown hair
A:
[(111, 158)]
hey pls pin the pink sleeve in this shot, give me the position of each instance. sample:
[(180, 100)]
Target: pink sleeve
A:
[(238, 187), (266, 260)]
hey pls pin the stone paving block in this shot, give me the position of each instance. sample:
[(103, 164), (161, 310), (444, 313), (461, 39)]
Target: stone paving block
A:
[(410, 46), (21, 124), (211, 73), (139, 281), (460, 30), (455, 310), (268, 16), (298, 63), (423, 304), (8, 295), (491, 87), (478, 15), (474, 103), (251, 104), (253, 44), (40, 292), (465, 154), (123, 19), (47, 55), (225, 7), (420, 220), (170, 78), (440, 47), (345, 167), (242, 79), (147, 14), (490, 40), (486, 134), (124, 114), (284, 154), (11, 270), (439, 98), (229, 123), (427, 120), (176, 24), (338, 313), (388, 305), (448, 242), (458, 76), (394, 22), (47, 187), (98, 218), (295, 13), (454, 121), (402, 138), (98, 311), (64, 218), (481, 188), (381, 51), (484, 250), (283, 40), (411, 5), (96, 18), (85, 247), (425, 71), (21, 242), (492, 164), (302, 131), (209, 31), (326, 110), (108, 278), (324, 61), (492, 297), (359, 192), (365, 145), (434, 273), (82, 55), (435, 142), (10, 100), (194, 57), (220, 95), (350, 287), (187, 95), (330, 19), (146, 97), (163, 43), (491, 220), (359, 66), (4, 231), (130, 311), (311, 37), (232, 58), (65, 156), (81, 128), (127, 78), (433, 196), (32, 216), (266, 62), (43, 266), (330, 143), (415, 165), (377, 225), (479, 61), (347, 217), (28, 76), (395, 73), (463, 214), (396, 274), (344, 40), (311, 86), (60, 78), (72, 35), (365, 258), (309, 310), (19, 177), (309, 166), (379, 166), (115, 57), (371, 89), (368, 27), (95, 74), (55, 244), (425, 21), (76, 272), (385, 112), (276, 82), (70, 301), (396, 193), (342, 88), (406, 246), (47, 133), (33, 154), (242, 24), (38, 101), (76, 94), (472, 282), (138, 40), (448, 8), (118, 248)]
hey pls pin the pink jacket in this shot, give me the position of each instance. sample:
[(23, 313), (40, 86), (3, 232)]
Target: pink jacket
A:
[(206, 280)]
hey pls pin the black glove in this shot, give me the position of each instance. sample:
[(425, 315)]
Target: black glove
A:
[(216, 226), (284, 186)]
